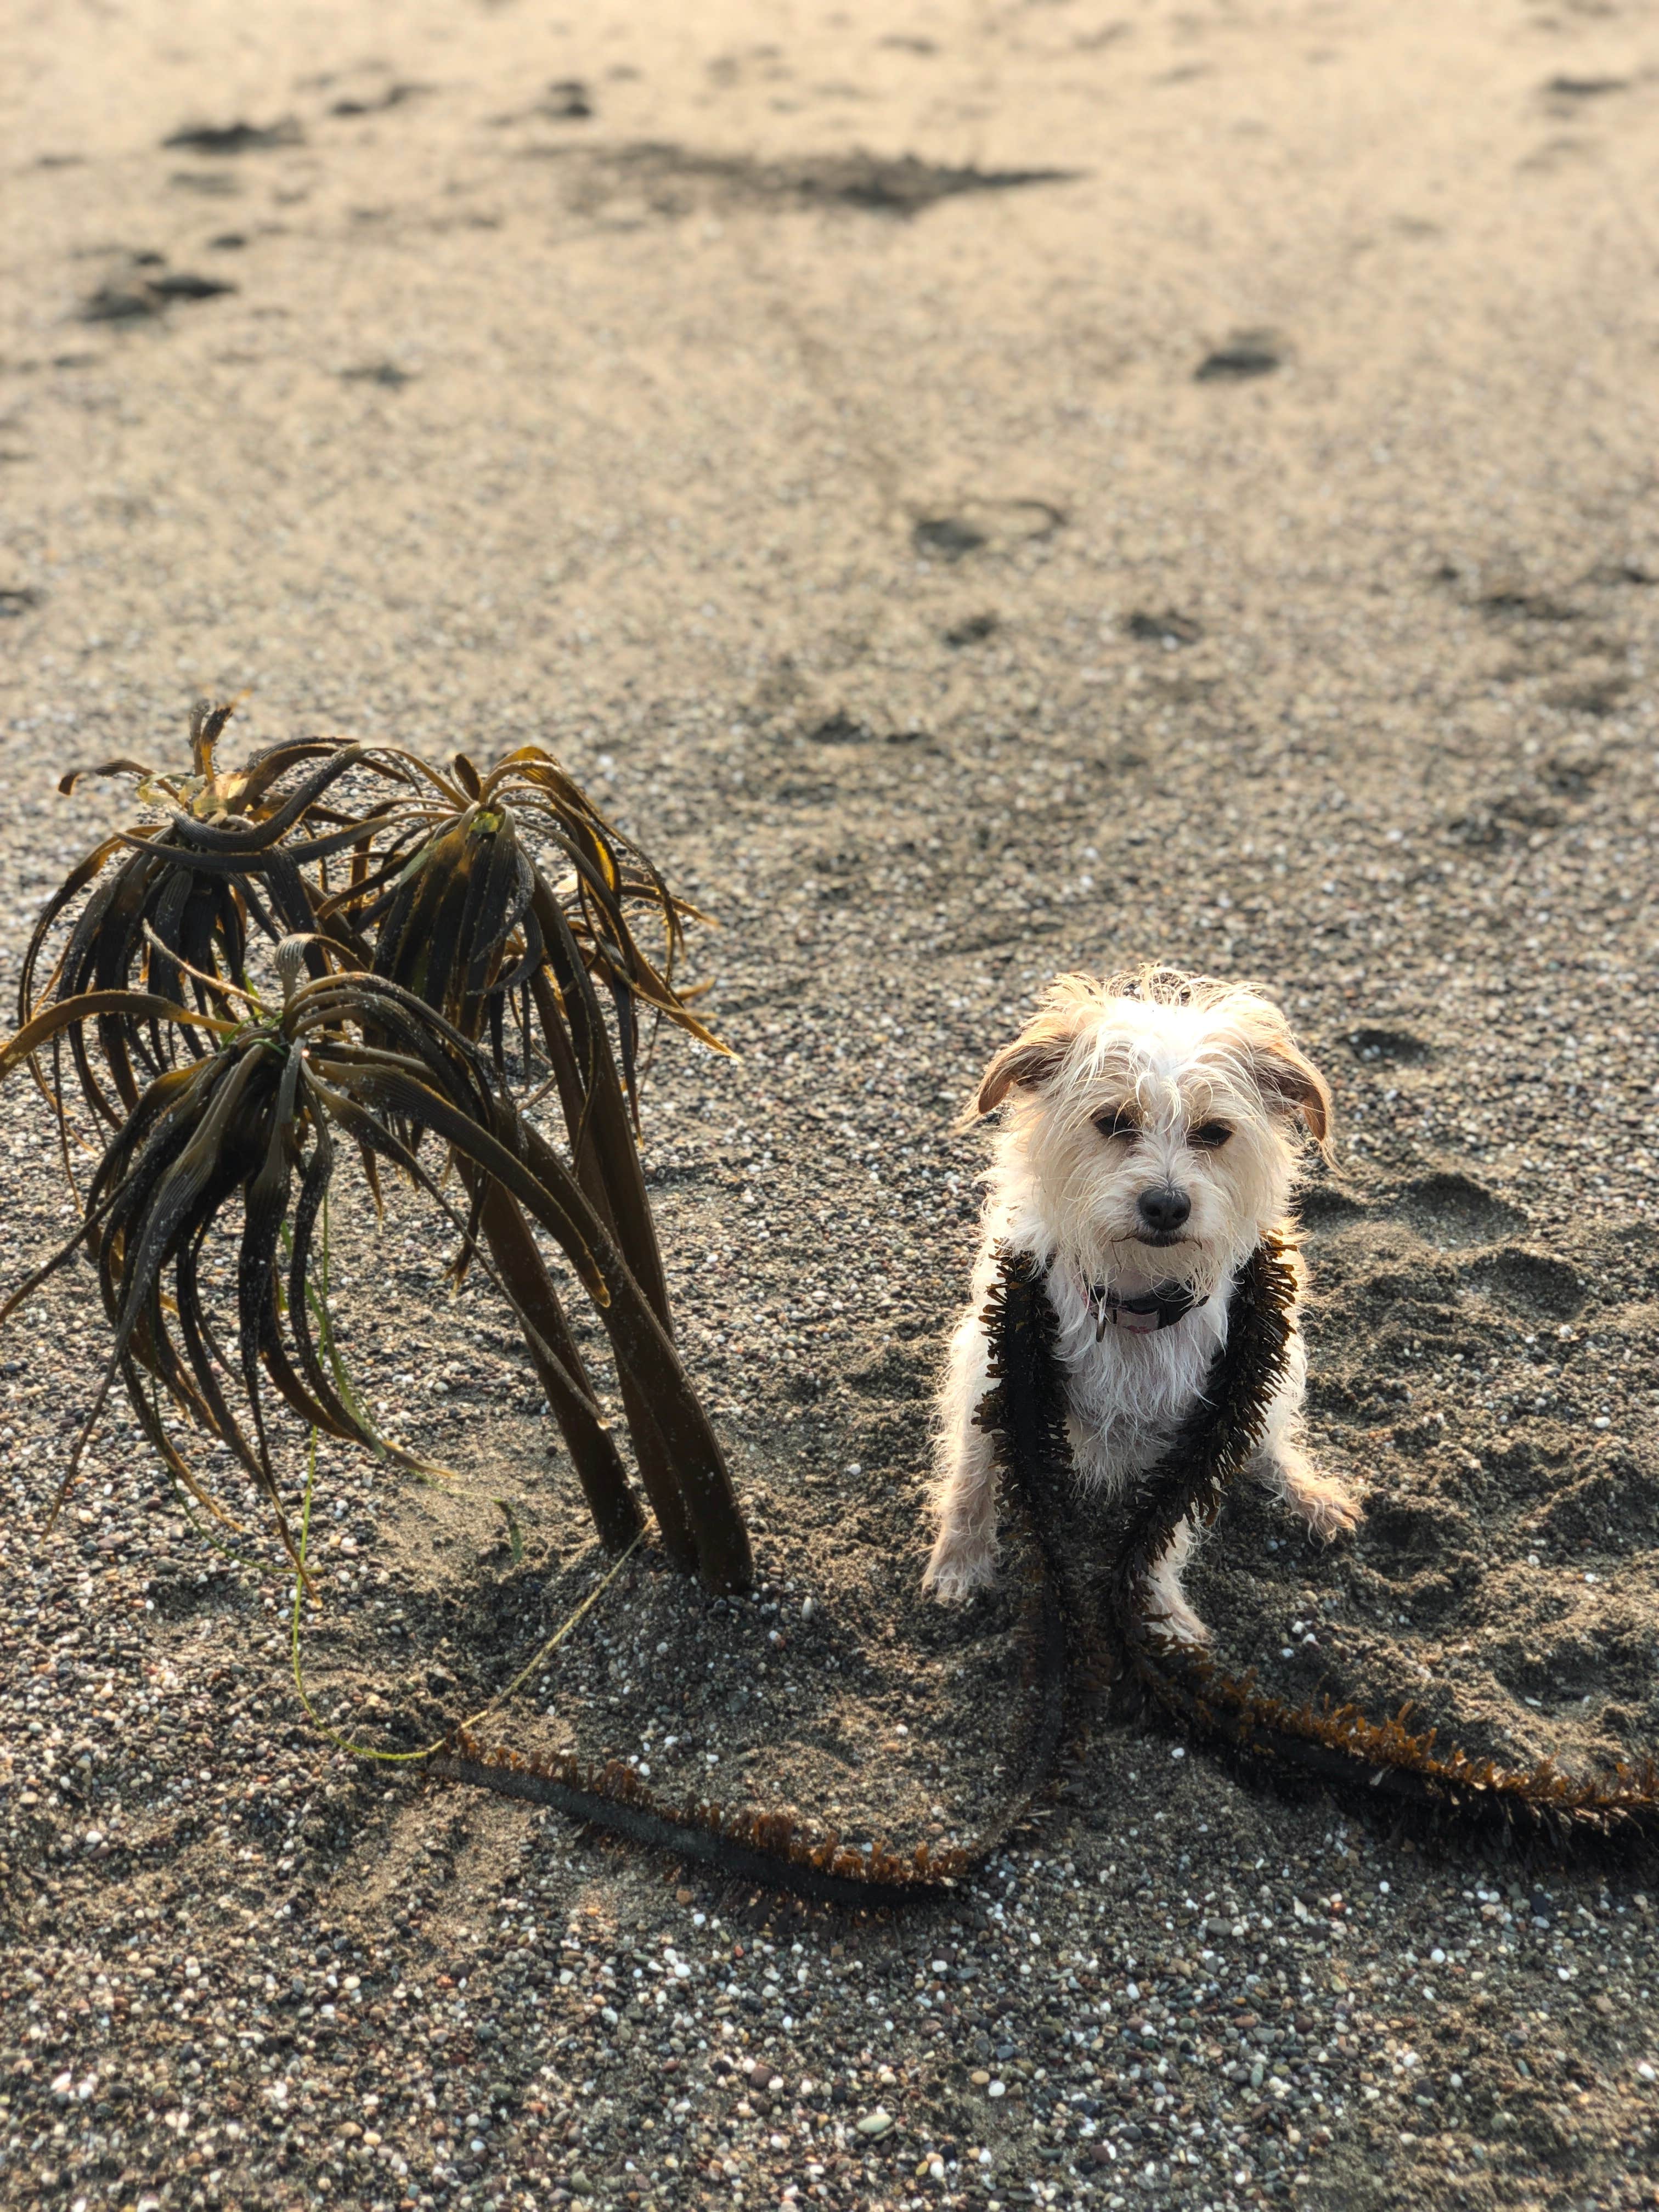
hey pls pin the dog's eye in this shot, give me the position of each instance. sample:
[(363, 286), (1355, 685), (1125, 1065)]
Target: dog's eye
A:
[(1119, 1124), (1209, 1136)]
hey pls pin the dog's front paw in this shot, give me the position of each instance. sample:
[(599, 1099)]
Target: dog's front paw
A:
[(957, 1569), (1329, 1509)]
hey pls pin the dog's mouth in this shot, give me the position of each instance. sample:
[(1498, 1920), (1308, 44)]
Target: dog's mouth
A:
[(1160, 1237)]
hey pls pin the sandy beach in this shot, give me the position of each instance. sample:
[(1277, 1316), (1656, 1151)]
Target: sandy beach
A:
[(978, 491)]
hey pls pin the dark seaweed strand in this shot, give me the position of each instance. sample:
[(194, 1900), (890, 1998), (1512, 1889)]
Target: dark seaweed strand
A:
[(1370, 1764), (767, 1847), (770, 1847), (1023, 1415), (1213, 1443)]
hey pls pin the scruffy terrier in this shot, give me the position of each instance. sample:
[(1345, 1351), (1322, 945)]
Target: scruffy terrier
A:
[(1151, 1135)]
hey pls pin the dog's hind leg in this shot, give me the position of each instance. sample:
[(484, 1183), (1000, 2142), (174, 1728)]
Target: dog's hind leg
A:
[(1169, 1610), (1281, 1462)]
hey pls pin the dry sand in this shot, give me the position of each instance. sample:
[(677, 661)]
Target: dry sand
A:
[(982, 491)]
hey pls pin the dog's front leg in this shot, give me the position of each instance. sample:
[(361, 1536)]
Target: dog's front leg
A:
[(965, 1497)]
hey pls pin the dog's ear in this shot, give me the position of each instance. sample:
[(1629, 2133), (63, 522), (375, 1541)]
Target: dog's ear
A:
[(1034, 1057), (1291, 1084)]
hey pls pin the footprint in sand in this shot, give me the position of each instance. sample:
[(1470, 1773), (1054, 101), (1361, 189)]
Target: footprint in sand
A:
[(394, 96), (235, 137), (1571, 89), (1405, 1533), (1454, 1214), (973, 629), (1454, 1210), (1169, 628), (386, 373), (569, 100), (946, 538), (1322, 1208), (146, 291), (977, 525), (1389, 1048), (1532, 1283), (1246, 354)]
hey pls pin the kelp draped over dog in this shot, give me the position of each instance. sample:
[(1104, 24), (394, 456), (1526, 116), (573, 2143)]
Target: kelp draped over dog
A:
[(318, 955)]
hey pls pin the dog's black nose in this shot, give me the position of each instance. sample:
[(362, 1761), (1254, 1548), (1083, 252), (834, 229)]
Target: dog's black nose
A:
[(1164, 1211)]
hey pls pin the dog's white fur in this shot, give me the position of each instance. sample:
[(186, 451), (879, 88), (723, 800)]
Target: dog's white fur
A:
[(1168, 1061)]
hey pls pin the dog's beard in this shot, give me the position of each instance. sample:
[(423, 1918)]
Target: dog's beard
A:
[(1121, 1259), (1093, 1227)]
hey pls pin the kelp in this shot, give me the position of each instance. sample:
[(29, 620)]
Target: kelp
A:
[(413, 912), (174, 904)]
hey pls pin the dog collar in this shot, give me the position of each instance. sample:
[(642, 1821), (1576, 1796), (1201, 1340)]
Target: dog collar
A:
[(1139, 1316)]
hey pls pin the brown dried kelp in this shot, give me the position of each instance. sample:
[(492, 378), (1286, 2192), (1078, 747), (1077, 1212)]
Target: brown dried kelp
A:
[(770, 1847), (460, 911), (174, 904), (425, 906), (255, 1123)]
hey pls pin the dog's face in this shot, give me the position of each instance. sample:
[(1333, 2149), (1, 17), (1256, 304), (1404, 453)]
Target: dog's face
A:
[(1151, 1137)]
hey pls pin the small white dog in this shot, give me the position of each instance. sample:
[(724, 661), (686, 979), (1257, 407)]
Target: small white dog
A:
[(1152, 1134)]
